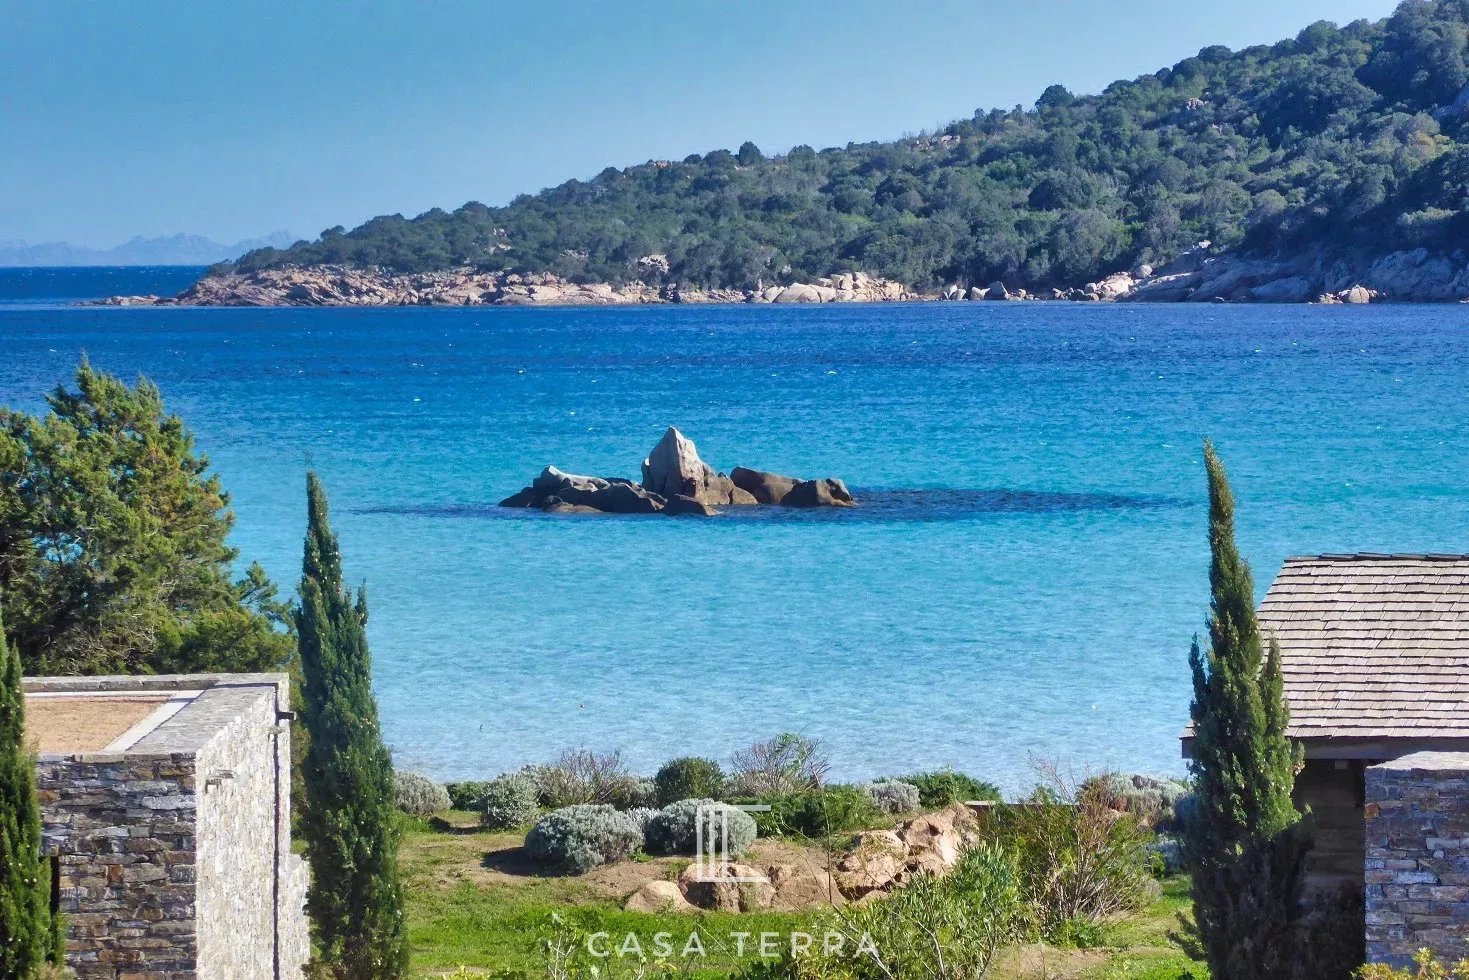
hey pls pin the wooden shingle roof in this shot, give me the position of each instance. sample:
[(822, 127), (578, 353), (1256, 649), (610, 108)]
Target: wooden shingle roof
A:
[(1373, 646)]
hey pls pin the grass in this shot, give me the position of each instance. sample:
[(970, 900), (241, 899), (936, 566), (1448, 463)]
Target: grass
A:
[(476, 901)]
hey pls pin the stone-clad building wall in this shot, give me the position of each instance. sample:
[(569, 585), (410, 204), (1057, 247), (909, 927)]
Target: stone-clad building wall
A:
[(122, 830), (1417, 857), (244, 857), (174, 855)]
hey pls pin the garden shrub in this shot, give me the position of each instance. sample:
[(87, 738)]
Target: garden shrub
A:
[(416, 794), (507, 802), (818, 813), (932, 927), (1428, 969), (788, 763), (673, 829), (467, 795), (1153, 800), (689, 777), (941, 787), (642, 816), (633, 792), (1078, 857), (579, 776), (579, 838), (893, 796)]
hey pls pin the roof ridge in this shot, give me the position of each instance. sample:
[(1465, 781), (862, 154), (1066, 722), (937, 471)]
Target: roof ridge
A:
[(1382, 556)]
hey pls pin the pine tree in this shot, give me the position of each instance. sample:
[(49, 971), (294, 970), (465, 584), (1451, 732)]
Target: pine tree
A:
[(30, 935), (1245, 841), (349, 823)]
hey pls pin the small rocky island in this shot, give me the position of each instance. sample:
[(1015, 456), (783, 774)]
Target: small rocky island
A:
[(675, 481)]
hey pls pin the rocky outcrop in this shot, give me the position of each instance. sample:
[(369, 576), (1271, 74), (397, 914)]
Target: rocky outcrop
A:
[(727, 887), (659, 896), (818, 493), (676, 481), (877, 861), (674, 468), (334, 285), (766, 488), (556, 492)]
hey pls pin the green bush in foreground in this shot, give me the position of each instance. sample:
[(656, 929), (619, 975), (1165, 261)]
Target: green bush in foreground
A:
[(818, 813), (578, 838), (1079, 861), (939, 788), (933, 928), (507, 802), (688, 777), (675, 829), (467, 795), (416, 794)]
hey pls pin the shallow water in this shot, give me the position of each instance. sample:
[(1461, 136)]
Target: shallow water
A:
[(1022, 579)]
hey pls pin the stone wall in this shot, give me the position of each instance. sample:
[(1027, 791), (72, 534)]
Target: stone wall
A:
[(244, 838), (1417, 857), (122, 831), (175, 855)]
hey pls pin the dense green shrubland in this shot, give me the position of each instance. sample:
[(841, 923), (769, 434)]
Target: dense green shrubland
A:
[(1329, 137)]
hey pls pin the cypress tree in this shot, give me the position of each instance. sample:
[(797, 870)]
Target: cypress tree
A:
[(349, 823), (30, 935), (1244, 840)]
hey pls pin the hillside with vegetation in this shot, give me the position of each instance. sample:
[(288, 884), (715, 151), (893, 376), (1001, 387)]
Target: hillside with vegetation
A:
[(1347, 138)]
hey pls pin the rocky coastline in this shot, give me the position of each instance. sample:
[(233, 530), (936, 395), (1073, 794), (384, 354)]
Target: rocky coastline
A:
[(1201, 274), (675, 482)]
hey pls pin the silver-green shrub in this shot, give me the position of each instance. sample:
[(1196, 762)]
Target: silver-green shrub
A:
[(892, 796), (1152, 800), (642, 816), (634, 792), (578, 838), (675, 829), (508, 801), (418, 795)]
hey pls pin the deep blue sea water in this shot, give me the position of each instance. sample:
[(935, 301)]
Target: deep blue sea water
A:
[(1023, 580)]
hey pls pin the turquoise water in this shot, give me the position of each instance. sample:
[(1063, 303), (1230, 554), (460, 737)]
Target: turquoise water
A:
[(1023, 582)]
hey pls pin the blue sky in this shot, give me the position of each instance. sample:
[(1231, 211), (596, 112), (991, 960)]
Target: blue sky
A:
[(233, 119)]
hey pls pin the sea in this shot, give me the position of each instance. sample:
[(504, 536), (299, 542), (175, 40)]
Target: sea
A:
[(1018, 587)]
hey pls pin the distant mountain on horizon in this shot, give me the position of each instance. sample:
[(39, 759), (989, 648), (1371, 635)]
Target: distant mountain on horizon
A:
[(177, 249)]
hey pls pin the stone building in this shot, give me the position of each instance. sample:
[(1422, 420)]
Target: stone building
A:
[(1375, 656), (166, 808)]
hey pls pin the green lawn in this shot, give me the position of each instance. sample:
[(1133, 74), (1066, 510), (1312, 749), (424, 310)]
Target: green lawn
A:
[(475, 901)]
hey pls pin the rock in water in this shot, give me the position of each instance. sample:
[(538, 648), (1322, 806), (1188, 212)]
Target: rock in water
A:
[(615, 498), (818, 493), (766, 488), (679, 504), (674, 469)]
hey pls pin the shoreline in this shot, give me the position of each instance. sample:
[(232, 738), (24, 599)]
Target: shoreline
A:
[(1197, 276)]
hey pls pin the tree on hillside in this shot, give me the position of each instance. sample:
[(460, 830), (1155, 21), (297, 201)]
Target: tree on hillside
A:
[(349, 823), (113, 553), (30, 936), (1244, 840)]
